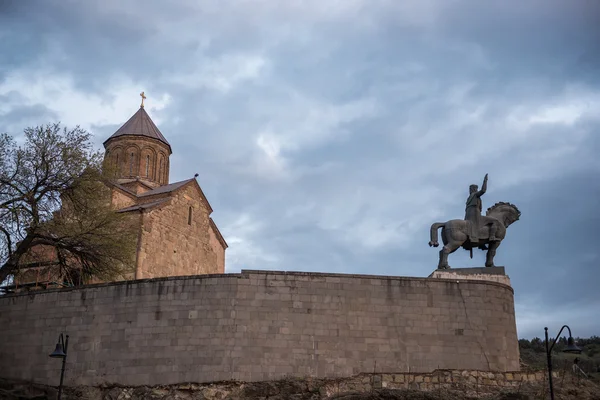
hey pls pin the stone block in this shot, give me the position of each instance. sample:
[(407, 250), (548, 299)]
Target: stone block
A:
[(495, 274)]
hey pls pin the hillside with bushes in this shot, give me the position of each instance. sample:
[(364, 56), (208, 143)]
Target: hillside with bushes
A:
[(533, 355)]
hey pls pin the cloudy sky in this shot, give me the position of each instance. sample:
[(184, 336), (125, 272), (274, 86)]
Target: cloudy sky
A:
[(329, 135)]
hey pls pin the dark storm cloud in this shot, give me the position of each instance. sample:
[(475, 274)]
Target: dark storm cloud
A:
[(328, 137), (565, 260)]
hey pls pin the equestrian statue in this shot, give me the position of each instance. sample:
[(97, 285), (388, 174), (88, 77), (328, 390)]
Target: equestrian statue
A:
[(476, 230)]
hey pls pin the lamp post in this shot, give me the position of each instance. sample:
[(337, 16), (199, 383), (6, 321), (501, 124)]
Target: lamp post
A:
[(571, 348), (61, 352)]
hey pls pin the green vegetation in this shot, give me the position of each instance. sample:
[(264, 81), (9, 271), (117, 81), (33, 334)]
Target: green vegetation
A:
[(533, 355), (54, 195)]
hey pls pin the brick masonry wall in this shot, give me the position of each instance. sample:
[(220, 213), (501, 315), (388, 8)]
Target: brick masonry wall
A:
[(218, 249), (141, 147), (471, 383), (120, 200), (171, 247), (258, 325), (475, 384)]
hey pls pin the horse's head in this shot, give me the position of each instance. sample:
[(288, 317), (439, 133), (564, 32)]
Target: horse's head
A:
[(504, 212)]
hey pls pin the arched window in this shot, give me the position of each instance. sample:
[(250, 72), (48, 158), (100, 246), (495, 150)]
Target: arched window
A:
[(166, 173), (190, 216), (147, 165), (131, 165), (160, 171)]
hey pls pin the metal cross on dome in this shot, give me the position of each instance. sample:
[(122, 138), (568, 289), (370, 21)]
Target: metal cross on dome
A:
[(143, 98)]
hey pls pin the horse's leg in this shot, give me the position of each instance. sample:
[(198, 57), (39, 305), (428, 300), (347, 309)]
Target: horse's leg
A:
[(443, 264), (489, 258), (448, 248)]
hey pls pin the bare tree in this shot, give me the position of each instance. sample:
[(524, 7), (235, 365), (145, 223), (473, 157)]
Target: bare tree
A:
[(53, 193)]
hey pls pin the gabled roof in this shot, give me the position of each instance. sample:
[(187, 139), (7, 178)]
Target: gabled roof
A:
[(140, 124), (166, 188), (123, 189), (135, 186), (171, 187)]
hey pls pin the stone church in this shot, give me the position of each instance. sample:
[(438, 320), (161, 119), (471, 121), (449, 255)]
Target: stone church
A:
[(176, 236)]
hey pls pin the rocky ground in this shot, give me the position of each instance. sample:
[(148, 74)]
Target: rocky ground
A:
[(296, 389)]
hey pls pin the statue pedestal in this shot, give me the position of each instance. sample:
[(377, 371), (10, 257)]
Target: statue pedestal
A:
[(493, 274)]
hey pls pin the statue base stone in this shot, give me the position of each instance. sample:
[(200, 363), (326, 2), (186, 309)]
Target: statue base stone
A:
[(493, 274)]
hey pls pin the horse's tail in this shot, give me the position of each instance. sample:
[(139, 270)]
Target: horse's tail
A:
[(434, 233)]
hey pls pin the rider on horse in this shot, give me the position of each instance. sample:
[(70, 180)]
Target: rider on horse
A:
[(473, 214)]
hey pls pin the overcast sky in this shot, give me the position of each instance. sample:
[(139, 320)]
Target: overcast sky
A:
[(329, 135)]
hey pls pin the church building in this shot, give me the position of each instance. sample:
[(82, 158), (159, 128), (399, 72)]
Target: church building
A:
[(177, 236)]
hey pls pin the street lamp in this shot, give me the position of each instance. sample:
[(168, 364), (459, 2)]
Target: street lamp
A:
[(61, 352), (571, 348)]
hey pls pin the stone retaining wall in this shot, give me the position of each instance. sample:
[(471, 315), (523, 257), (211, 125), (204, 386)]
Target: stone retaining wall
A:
[(485, 381), (445, 383), (256, 326)]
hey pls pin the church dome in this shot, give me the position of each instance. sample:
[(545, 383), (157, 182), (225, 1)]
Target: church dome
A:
[(140, 125), (139, 151)]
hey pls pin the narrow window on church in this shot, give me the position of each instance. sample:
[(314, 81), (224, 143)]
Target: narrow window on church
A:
[(131, 165), (117, 165), (190, 216), (147, 165), (160, 171)]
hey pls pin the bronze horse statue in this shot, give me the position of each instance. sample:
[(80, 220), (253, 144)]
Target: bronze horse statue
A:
[(455, 233)]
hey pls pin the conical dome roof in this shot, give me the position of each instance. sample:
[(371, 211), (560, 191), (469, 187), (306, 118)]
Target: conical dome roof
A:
[(140, 124)]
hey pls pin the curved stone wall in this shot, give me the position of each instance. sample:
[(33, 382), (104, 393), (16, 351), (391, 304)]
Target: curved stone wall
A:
[(258, 325)]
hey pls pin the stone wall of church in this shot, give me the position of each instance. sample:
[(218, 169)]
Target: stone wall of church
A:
[(172, 243), (258, 325), (42, 275), (121, 200), (219, 250), (141, 157)]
